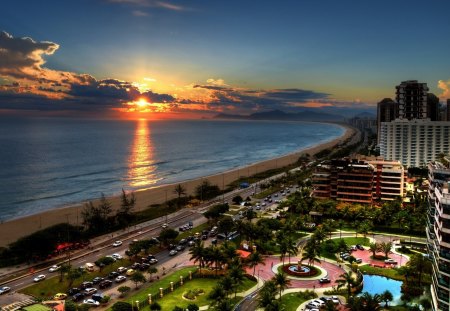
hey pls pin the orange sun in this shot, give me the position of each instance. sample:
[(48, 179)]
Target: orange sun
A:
[(142, 103)]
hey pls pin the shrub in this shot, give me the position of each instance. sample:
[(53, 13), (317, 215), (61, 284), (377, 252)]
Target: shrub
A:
[(122, 306)]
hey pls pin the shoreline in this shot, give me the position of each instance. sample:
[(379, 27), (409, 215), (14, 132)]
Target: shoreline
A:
[(12, 230)]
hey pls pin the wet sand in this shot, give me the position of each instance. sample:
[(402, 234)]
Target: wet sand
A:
[(12, 230)]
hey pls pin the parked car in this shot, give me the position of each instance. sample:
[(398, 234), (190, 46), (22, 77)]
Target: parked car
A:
[(85, 285), (121, 269), (144, 266), (360, 247), (153, 261), (73, 291), (390, 261), (54, 268), (91, 302), (182, 242), (113, 275), (173, 252), (78, 296), (180, 248), (60, 296), (90, 290), (117, 243), (97, 280), (105, 284), (130, 272), (39, 278), (97, 297), (4, 289), (116, 256), (121, 278), (135, 266), (324, 280), (358, 260), (335, 300)]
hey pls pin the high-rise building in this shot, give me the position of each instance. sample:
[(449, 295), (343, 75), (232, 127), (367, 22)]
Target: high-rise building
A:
[(411, 97), (359, 180), (414, 143), (448, 109), (387, 111), (432, 107), (438, 234)]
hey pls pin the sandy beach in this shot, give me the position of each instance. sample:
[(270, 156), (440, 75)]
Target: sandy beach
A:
[(10, 231)]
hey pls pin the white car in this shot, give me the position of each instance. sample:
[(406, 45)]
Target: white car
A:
[(4, 289), (335, 300), (390, 261), (90, 291), (173, 252), (121, 278), (116, 256), (117, 243), (91, 302), (54, 268), (164, 226), (39, 278)]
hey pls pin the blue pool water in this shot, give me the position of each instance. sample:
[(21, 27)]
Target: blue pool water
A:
[(375, 284)]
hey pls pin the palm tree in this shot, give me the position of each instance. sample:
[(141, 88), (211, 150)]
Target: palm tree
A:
[(198, 254), (283, 250), (405, 271), (311, 254), (267, 294), (346, 278), (179, 190), (419, 264), (387, 296), (255, 259), (281, 281), (371, 303), (386, 248), (374, 248), (237, 275)]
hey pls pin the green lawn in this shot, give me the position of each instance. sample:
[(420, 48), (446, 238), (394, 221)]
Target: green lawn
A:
[(164, 283), (290, 302), (348, 240), (51, 286), (37, 307)]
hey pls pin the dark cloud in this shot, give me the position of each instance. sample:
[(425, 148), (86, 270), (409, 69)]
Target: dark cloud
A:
[(22, 57)]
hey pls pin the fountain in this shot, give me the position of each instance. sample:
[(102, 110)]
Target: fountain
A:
[(300, 270)]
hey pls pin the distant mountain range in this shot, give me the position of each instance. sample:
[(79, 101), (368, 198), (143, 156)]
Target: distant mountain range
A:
[(306, 115)]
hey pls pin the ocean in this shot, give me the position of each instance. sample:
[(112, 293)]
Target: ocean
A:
[(50, 162)]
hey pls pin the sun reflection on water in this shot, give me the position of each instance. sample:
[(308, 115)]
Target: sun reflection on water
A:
[(141, 168)]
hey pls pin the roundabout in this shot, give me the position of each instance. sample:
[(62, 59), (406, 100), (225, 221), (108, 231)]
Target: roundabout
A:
[(298, 271)]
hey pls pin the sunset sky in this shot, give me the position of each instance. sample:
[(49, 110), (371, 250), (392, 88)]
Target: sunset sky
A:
[(110, 58)]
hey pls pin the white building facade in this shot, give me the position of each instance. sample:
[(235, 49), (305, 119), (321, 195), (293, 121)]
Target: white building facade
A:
[(414, 142)]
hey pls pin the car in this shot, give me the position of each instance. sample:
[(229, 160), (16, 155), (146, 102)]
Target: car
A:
[(113, 275), (130, 272), (164, 225), (4, 289), (39, 278), (60, 296), (117, 243), (319, 302), (344, 255), (173, 252), (325, 299), (54, 268), (182, 242), (121, 269), (73, 291), (335, 300), (390, 261), (121, 278), (153, 261), (86, 284), (324, 280), (105, 284), (358, 260), (91, 302), (97, 280), (116, 256), (360, 247), (144, 266), (204, 237), (312, 305), (108, 256), (353, 248), (78, 296), (90, 290), (97, 297), (214, 241), (135, 266), (180, 248)]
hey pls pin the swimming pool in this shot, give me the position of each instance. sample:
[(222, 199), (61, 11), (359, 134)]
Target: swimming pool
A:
[(375, 284)]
